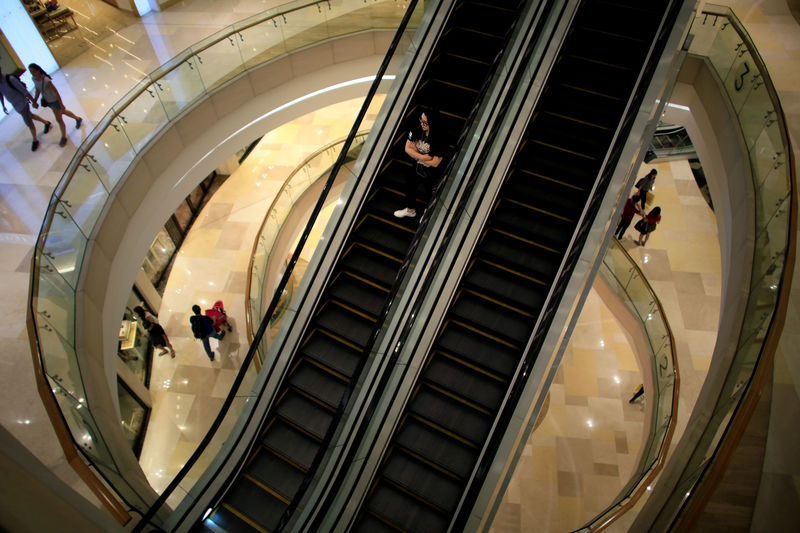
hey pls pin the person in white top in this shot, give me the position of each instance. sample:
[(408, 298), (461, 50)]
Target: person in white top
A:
[(51, 98)]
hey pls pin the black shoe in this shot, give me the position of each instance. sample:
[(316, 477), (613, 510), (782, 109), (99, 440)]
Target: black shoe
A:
[(34, 146), (46, 128)]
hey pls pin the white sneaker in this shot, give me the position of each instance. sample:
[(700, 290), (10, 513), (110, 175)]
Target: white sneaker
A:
[(405, 213)]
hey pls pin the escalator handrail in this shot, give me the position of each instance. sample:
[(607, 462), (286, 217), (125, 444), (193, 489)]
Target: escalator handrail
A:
[(373, 89), (563, 274)]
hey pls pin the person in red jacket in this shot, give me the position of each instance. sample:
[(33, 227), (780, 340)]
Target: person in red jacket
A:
[(628, 211)]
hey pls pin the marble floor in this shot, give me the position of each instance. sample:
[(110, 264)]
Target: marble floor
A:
[(564, 459)]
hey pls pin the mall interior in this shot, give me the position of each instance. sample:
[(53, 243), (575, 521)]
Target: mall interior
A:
[(209, 203)]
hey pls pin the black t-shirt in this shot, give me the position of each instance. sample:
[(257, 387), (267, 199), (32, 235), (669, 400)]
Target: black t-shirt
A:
[(425, 144), (156, 334)]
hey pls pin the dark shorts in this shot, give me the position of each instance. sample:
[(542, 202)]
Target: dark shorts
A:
[(26, 115), (55, 106)]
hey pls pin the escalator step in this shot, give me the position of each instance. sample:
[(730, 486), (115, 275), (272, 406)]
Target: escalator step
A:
[(460, 70), (520, 219), (519, 256), (332, 353), (226, 519), (480, 388), (319, 383), (453, 415), (469, 43), (368, 523), (403, 511), (371, 264), (552, 198), (613, 17), (583, 105), (589, 75), (573, 169), (492, 317), (290, 443), (389, 198), (384, 234), (424, 481), (478, 349), (491, 18), (255, 503), (275, 473), (442, 449), (305, 413), (523, 292), (597, 45), (578, 137), (345, 322), (458, 101), (359, 293)]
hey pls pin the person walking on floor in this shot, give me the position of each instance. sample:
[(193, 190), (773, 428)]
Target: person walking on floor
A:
[(625, 220), (648, 224), (159, 339), (52, 99), (13, 90), (203, 329), (645, 185), (425, 150)]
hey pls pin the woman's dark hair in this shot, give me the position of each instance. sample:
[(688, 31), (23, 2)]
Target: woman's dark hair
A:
[(656, 211), (653, 172), (429, 113), (140, 312), (34, 66)]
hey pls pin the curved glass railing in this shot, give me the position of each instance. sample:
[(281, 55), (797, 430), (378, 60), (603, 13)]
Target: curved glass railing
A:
[(628, 283), (309, 172), (104, 158), (720, 37)]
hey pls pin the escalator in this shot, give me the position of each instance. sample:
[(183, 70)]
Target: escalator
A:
[(337, 340), (430, 471)]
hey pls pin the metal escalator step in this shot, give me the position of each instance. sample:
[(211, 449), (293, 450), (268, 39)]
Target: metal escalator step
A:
[(459, 69), (492, 317), (574, 169), (427, 441), (255, 503), (460, 379), (344, 322), (585, 74), (596, 44), (523, 292), (613, 17), (368, 523), (331, 352), (272, 471), (551, 198), (517, 255), (319, 383), (583, 105), (290, 443), (573, 135), (359, 292), (407, 513), (478, 349), (389, 198), (305, 413), (523, 220), (481, 46), (423, 480), (384, 234), (451, 414), (488, 17), (229, 520), (372, 264)]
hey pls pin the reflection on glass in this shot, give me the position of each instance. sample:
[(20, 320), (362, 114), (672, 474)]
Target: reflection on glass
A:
[(133, 417)]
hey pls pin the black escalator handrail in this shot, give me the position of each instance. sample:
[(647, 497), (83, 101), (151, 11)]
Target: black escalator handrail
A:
[(424, 285), (565, 272), (265, 321)]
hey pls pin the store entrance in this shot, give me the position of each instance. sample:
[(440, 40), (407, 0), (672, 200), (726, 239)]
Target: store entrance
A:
[(71, 27)]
